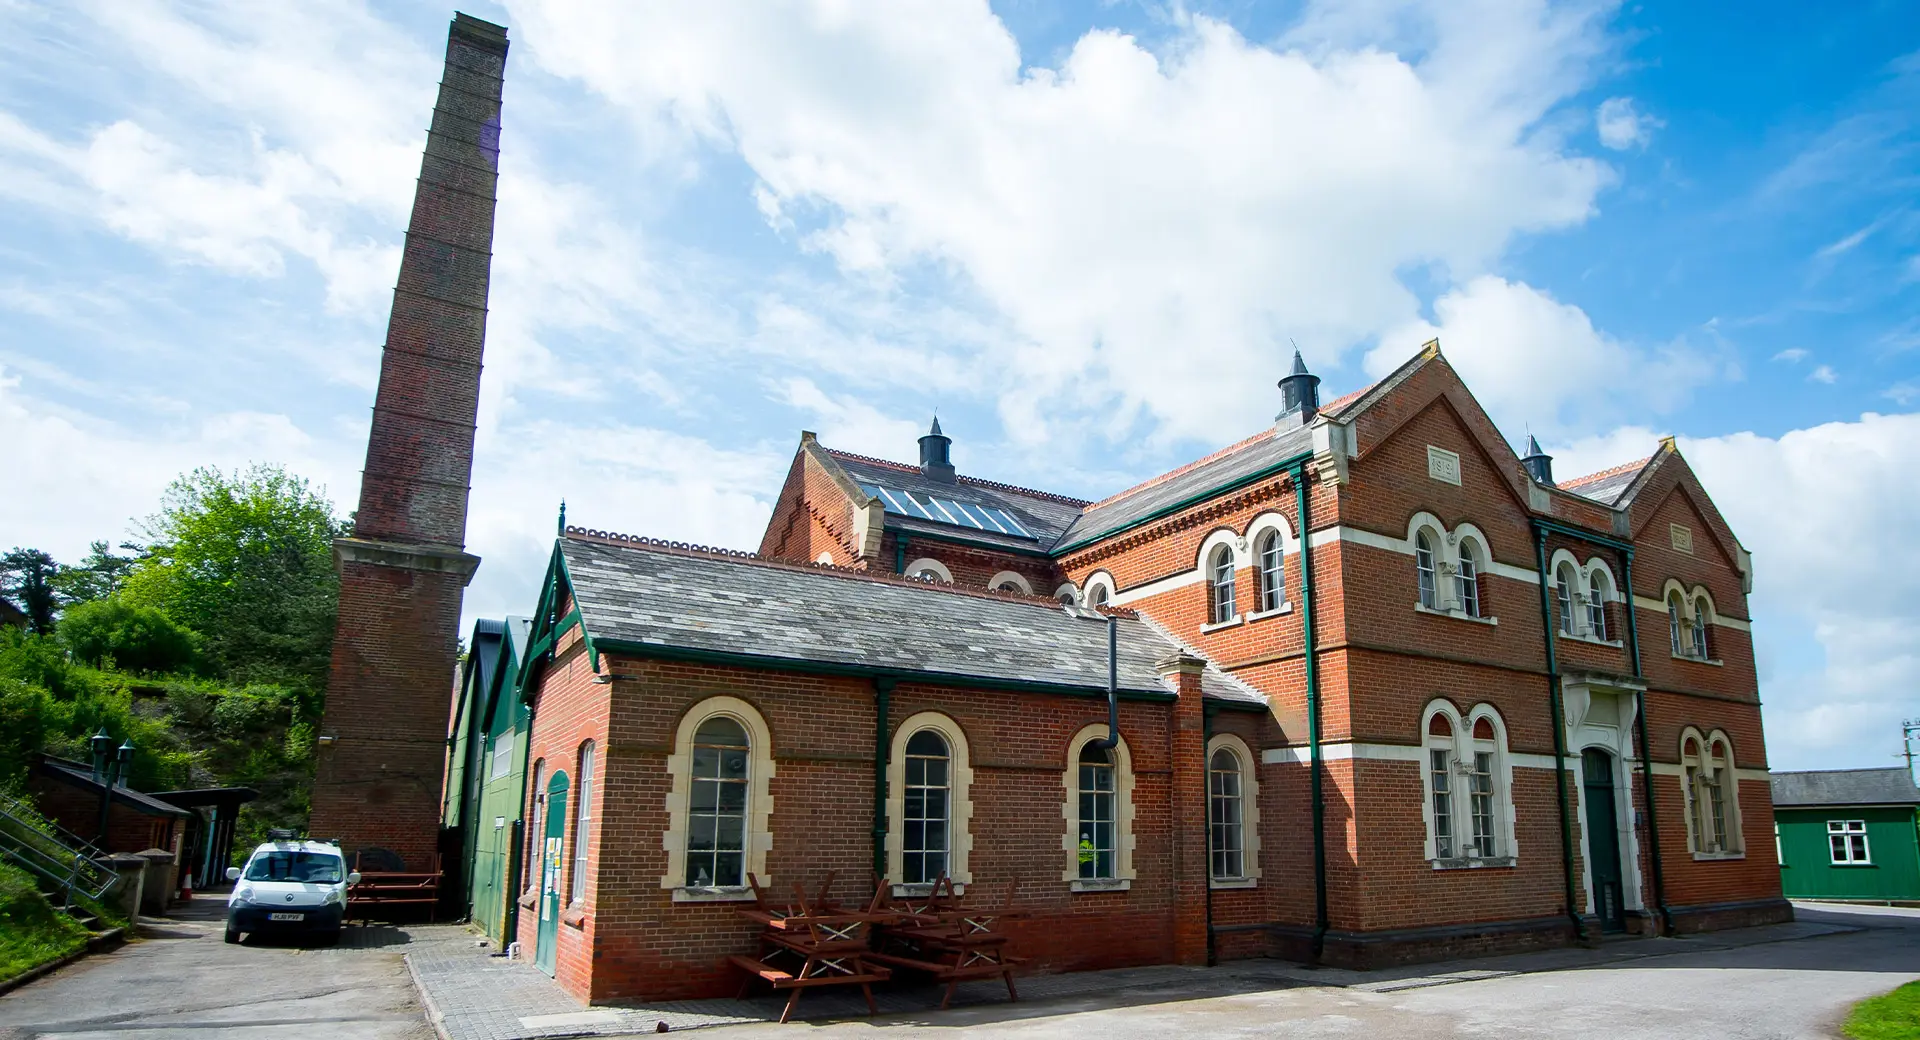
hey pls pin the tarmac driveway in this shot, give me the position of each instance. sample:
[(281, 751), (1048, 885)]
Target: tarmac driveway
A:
[(182, 981)]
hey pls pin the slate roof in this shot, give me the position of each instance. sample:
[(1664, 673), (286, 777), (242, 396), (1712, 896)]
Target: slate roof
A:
[(1232, 463), (1608, 485), (651, 595), (1044, 514), (1890, 786)]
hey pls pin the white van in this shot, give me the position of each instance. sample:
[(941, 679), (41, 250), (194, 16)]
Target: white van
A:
[(290, 886)]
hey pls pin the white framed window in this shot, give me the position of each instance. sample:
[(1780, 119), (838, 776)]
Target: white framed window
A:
[(929, 569), (929, 802), (720, 802), (1676, 619), (1220, 607), (1098, 595), (1099, 813), (1702, 615), (582, 823), (1564, 582), (1271, 571), (1468, 578), (1425, 571), (1233, 813), (1712, 795), (502, 761), (1847, 841), (1067, 593), (1467, 784), (1597, 596), (1010, 581)]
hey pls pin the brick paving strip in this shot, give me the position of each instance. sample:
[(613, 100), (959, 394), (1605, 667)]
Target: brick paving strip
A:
[(473, 994)]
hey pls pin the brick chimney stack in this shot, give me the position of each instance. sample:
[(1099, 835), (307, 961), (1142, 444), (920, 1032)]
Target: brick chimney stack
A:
[(403, 569)]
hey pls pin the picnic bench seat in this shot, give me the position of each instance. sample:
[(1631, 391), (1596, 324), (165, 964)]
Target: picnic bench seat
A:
[(383, 890)]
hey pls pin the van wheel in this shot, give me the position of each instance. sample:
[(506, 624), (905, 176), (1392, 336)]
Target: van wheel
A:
[(233, 936)]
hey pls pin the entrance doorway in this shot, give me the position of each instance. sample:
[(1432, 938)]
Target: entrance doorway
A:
[(552, 857), (1603, 840)]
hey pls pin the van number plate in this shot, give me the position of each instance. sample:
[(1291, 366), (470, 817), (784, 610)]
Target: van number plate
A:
[(286, 917)]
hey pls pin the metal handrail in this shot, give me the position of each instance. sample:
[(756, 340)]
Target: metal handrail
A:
[(53, 853)]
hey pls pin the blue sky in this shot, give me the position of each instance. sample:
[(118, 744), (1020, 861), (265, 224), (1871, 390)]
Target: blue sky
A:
[(1086, 233)]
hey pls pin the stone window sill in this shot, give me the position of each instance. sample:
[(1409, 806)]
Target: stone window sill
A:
[(1102, 884), (1699, 660), (1218, 625), (730, 894), (1457, 615), (1279, 611), (576, 916), (1589, 640), (1468, 863), (1220, 883), (529, 900), (1702, 857), (924, 889)]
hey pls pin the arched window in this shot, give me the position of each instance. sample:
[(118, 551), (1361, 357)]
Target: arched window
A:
[(1010, 581), (1597, 596), (1099, 809), (1423, 566), (1469, 578), (928, 802), (1467, 787), (1099, 812), (1702, 614), (1220, 585), (536, 827), (1272, 573), (1676, 612), (1563, 587), (929, 569), (1713, 805), (717, 818), (928, 810), (1097, 596), (583, 823), (1226, 812)]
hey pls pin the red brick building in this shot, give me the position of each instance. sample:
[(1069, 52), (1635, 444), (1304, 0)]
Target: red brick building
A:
[(1387, 692)]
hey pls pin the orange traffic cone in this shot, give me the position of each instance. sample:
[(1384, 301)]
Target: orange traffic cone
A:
[(186, 888)]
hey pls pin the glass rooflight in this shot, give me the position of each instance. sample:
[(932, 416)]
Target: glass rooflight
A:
[(947, 511)]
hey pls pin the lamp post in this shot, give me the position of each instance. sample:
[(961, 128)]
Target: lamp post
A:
[(110, 766)]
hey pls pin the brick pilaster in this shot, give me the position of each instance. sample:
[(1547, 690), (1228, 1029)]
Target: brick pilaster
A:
[(1187, 757)]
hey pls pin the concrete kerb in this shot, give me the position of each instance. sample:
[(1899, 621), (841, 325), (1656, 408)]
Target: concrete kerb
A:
[(474, 995)]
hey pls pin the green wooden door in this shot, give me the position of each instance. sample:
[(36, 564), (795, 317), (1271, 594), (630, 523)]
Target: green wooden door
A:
[(552, 857), (1603, 840)]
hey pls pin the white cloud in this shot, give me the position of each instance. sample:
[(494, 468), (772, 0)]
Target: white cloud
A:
[(1822, 374), (849, 424), (1903, 393), (1827, 513), (1792, 355), (1622, 126), (1535, 361), (1195, 203)]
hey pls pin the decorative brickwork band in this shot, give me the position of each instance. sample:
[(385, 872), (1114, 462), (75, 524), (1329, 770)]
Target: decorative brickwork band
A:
[(403, 570)]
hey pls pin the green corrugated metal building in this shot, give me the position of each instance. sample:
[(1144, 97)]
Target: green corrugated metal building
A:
[(1848, 834), (486, 772)]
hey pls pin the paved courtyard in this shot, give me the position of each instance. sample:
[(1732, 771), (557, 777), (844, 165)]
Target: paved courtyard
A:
[(1786, 981)]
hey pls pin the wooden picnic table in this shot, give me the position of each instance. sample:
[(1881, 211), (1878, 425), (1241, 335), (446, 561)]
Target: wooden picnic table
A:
[(942, 936), (808, 945)]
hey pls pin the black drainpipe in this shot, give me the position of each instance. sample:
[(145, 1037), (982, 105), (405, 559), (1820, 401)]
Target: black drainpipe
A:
[(1112, 739), (882, 750), (1646, 758), (1559, 732), (1303, 507), (899, 554)]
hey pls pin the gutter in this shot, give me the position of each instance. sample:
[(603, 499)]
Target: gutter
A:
[(1559, 730), (1304, 509)]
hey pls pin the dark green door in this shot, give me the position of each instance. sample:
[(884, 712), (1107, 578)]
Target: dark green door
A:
[(552, 856), (1603, 840)]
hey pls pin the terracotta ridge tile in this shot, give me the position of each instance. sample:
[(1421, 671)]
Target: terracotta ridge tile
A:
[(1605, 473), (962, 478)]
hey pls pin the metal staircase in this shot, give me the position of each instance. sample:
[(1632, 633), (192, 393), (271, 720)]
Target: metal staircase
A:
[(64, 866)]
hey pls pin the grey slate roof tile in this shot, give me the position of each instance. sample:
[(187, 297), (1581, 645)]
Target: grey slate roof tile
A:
[(647, 595), (1224, 467), (1046, 516), (1890, 786)]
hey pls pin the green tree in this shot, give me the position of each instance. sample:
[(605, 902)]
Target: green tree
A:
[(246, 561), (113, 632), (26, 577), (98, 576), (23, 714)]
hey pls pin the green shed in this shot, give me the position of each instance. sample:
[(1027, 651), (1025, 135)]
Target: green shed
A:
[(1848, 834), (486, 772)]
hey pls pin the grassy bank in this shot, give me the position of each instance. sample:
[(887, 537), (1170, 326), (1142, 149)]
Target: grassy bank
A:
[(1889, 1016), (32, 932)]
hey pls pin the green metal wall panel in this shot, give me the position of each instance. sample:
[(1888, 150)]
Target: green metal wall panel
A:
[(1807, 870)]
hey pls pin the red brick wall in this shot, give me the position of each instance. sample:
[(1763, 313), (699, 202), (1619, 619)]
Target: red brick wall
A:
[(78, 810), (812, 515)]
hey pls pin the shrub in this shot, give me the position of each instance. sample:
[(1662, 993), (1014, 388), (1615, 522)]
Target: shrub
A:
[(137, 639), (23, 713)]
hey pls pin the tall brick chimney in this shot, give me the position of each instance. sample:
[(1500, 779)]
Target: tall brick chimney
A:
[(402, 571)]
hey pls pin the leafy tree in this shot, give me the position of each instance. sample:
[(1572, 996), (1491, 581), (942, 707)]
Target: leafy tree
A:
[(23, 712), (115, 633), (246, 561), (26, 577), (98, 576)]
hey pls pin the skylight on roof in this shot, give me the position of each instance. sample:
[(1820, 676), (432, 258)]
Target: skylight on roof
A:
[(947, 511)]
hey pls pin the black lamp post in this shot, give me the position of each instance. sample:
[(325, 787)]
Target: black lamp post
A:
[(110, 766)]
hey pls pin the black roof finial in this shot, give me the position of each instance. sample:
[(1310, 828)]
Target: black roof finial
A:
[(563, 516), (936, 461), (1299, 394), (1538, 464)]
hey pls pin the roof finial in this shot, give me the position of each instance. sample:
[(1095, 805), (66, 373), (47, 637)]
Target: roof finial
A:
[(1537, 463), (563, 517), (1299, 364), (936, 424), (936, 462), (1299, 393)]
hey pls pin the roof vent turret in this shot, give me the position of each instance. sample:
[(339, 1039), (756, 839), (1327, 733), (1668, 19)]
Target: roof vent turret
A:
[(1538, 463), (936, 461), (1299, 395)]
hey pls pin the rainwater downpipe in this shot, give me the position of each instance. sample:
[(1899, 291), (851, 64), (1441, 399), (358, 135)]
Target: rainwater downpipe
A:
[(1112, 739), (1646, 759), (882, 749), (1304, 508), (1559, 732)]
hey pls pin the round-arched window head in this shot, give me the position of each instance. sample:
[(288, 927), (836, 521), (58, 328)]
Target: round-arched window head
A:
[(929, 569)]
